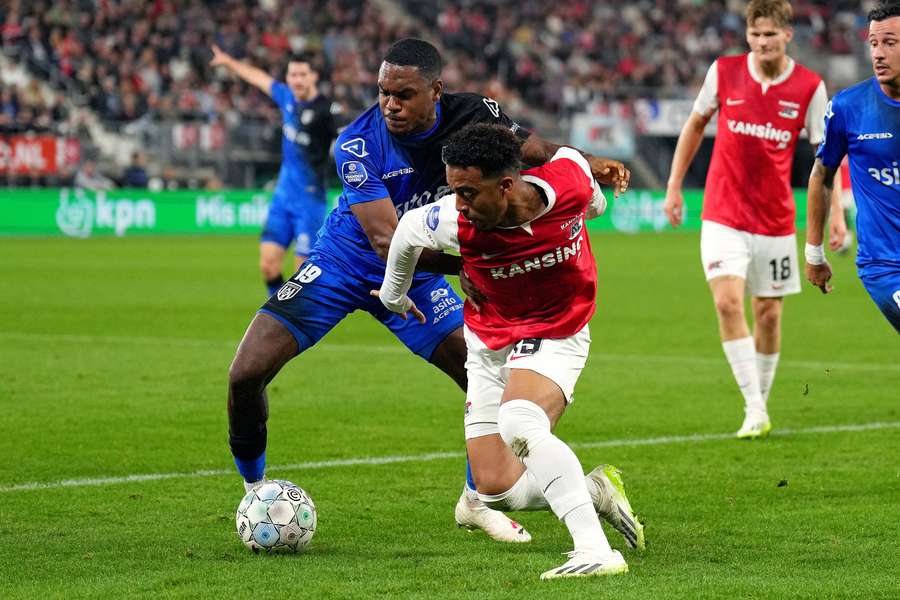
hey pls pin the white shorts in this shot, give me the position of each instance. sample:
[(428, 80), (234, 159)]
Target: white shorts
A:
[(560, 360), (767, 263)]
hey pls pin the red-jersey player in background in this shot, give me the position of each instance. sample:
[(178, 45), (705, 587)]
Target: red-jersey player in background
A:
[(523, 244), (747, 242)]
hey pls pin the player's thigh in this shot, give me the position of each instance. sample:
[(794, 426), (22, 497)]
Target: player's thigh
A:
[(315, 299), (279, 228), (443, 315), (306, 220), (724, 251), (485, 387), (545, 371), (884, 289), (773, 269)]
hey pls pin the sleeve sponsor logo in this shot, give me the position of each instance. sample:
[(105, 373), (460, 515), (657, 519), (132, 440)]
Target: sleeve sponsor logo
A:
[(433, 217), (354, 173), (492, 106), (356, 147)]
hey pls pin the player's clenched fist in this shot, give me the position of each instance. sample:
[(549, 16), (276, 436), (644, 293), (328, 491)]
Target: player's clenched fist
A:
[(610, 172)]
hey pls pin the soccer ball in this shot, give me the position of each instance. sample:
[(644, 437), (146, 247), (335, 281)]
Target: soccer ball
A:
[(276, 516)]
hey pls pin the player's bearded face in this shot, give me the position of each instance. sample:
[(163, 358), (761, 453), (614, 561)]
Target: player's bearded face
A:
[(479, 199), (884, 43), (407, 99), (767, 40)]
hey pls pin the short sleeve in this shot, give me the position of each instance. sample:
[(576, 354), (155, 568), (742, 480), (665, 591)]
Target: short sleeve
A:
[(359, 175), (815, 115), (707, 101), (597, 203), (834, 145), (282, 95)]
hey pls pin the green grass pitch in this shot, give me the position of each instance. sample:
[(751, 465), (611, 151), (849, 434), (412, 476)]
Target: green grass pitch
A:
[(113, 362)]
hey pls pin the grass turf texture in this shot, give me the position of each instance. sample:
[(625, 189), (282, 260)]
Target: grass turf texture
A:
[(113, 361)]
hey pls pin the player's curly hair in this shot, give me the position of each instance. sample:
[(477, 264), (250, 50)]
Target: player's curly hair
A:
[(413, 52), (492, 148), (780, 11), (885, 10)]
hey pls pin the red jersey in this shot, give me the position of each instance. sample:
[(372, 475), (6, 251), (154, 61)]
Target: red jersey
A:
[(748, 186), (540, 277)]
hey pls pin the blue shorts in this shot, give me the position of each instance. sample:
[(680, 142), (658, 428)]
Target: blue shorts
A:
[(324, 291), (295, 219), (883, 284)]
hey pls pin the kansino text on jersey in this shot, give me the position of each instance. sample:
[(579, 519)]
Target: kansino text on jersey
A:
[(551, 259), (764, 132)]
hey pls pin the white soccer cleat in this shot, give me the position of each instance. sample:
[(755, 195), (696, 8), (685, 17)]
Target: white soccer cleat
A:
[(756, 425), (612, 505), (473, 514), (584, 564)]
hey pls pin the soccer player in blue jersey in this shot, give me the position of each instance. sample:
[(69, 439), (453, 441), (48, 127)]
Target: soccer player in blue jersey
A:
[(863, 122), (389, 161), (308, 128)]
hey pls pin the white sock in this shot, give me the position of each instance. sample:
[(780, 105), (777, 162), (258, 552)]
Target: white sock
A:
[(469, 493), (765, 367), (525, 494), (526, 430), (741, 355)]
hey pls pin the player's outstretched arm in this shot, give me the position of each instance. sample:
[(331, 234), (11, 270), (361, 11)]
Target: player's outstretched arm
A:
[(252, 75), (821, 184), (537, 151), (688, 143), (378, 219)]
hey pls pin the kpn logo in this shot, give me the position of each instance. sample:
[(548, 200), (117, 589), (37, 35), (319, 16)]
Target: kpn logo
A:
[(82, 213)]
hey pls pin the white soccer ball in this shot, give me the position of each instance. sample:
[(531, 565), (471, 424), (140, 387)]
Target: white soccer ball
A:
[(276, 516)]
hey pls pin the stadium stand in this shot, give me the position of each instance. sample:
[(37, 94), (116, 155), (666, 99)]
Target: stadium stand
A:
[(141, 68)]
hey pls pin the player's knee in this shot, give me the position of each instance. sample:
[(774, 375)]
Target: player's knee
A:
[(245, 378), (523, 425), (768, 316), (729, 307)]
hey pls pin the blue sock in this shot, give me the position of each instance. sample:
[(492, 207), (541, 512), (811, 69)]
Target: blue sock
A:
[(470, 481), (274, 284), (251, 470)]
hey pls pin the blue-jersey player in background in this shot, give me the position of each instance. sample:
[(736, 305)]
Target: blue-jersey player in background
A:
[(307, 130), (389, 161), (863, 122)]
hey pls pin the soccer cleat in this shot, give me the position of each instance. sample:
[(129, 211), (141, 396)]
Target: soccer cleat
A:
[(755, 426), (473, 514), (612, 505), (584, 564)]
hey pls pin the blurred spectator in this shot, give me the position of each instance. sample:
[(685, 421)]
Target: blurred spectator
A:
[(135, 175), (87, 177)]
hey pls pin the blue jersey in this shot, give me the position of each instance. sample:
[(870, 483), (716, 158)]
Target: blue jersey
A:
[(864, 123), (307, 129), (374, 164)]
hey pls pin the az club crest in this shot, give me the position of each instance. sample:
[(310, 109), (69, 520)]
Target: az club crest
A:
[(288, 291)]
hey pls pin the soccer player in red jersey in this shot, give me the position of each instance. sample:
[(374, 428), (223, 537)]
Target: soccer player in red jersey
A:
[(523, 244), (747, 242)]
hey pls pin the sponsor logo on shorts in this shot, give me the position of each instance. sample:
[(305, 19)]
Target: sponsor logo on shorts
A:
[(288, 291), (433, 217), (354, 173), (468, 408), (439, 293), (444, 307), (716, 264), (777, 286)]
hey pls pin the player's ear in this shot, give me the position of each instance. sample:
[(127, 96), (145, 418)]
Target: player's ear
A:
[(506, 183), (437, 88), (789, 33)]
